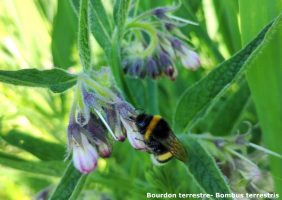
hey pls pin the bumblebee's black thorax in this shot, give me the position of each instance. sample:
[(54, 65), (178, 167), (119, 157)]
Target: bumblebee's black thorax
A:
[(149, 125), (142, 122)]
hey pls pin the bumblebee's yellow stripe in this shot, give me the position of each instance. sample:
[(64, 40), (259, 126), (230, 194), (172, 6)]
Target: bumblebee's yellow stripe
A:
[(153, 123), (164, 157)]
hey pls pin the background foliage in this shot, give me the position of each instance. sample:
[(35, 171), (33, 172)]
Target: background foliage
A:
[(231, 39)]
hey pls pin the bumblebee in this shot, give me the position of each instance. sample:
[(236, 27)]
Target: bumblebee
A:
[(159, 138)]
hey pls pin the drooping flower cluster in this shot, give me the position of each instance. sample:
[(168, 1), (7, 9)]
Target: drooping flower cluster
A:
[(98, 111), (238, 163), (155, 44)]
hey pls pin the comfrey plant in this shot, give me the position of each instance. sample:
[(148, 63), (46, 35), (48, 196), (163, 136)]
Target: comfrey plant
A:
[(150, 45), (98, 111), (154, 45)]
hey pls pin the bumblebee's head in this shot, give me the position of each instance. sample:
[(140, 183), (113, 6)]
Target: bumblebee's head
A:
[(142, 121)]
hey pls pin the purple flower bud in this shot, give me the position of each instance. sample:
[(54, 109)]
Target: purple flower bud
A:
[(160, 12), (169, 26), (125, 65), (74, 135), (176, 44), (114, 121), (190, 59), (124, 109), (152, 69), (96, 129), (104, 150), (135, 68), (171, 72), (143, 73), (89, 98), (97, 134), (85, 156), (164, 60)]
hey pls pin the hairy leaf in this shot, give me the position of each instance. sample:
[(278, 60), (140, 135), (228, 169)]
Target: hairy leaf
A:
[(68, 184), (230, 111), (78, 188), (120, 14), (97, 24), (55, 79), (83, 36), (44, 150), (51, 168), (198, 97), (98, 29), (203, 168), (63, 35), (101, 12)]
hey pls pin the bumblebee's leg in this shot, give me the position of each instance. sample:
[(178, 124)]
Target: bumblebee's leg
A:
[(140, 140)]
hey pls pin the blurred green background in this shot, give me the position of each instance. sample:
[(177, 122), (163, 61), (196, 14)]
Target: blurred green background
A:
[(43, 33)]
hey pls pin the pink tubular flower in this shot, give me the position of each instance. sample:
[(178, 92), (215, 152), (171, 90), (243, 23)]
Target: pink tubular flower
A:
[(85, 156), (135, 138), (190, 59)]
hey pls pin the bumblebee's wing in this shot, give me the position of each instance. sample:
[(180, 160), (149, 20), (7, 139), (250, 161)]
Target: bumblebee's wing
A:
[(174, 146)]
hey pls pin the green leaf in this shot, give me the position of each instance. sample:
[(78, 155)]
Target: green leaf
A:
[(264, 76), (226, 13), (227, 116), (98, 30), (103, 17), (44, 150), (55, 79), (96, 24), (83, 36), (199, 96), (78, 188), (50, 168), (70, 182), (203, 168), (63, 35), (75, 5), (120, 14)]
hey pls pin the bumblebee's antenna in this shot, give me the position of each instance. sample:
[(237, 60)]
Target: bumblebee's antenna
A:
[(130, 118), (139, 139)]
